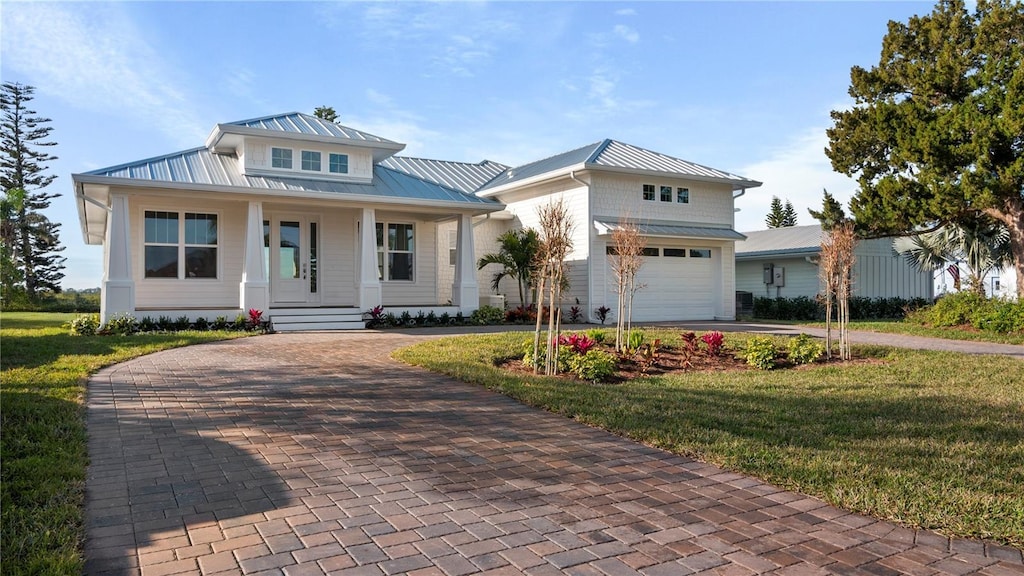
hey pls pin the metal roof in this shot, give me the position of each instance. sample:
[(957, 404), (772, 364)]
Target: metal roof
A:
[(669, 230), (201, 168), (461, 176), (776, 241), (615, 155), (299, 123)]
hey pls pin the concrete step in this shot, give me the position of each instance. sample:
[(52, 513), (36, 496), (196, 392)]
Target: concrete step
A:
[(304, 319)]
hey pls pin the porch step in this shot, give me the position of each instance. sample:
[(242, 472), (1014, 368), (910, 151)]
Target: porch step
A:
[(303, 319)]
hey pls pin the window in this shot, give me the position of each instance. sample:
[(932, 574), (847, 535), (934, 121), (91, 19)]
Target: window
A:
[(700, 253), (666, 193), (395, 251), (281, 158), (651, 252), (453, 243), (683, 195), (674, 252), (168, 257), (648, 191), (311, 161), (338, 163)]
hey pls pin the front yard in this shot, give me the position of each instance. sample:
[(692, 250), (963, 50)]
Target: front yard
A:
[(925, 439)]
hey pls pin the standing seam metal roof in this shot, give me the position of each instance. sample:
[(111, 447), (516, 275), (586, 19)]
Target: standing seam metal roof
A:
[(297, 122), (200, 167), (788, 239), (461, 176)]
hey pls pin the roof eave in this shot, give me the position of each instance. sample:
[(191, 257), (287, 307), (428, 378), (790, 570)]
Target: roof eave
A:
[(803, 251), (539, 178), (382, 150)]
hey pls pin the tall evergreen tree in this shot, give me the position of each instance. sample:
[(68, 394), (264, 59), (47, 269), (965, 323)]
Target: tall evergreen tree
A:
[(788, 214), (776, 214), (326, 113), (832, 213), (35, 242)]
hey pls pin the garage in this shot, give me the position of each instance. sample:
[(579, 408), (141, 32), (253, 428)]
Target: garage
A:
[(678, 284)]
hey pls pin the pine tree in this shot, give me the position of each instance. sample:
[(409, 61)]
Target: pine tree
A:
[(776, 214), (832, 213), (326, 113), (34, 240), (789, 215)]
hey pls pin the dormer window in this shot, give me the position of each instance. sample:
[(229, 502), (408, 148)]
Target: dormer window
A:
[(281, 158), (338, 164), (311, 161)]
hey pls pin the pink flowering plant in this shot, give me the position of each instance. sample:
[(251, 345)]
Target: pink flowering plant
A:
[(577, 342), (713, 342)]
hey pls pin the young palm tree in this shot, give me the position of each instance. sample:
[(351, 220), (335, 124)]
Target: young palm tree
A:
[(982, 245), (516, 254)]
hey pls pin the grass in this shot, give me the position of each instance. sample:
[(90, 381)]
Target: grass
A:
[(43, 370), (925, 439), (948, 333)]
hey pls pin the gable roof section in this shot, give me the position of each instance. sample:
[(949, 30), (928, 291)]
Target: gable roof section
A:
[(461, 176), (781, 241), (616, 156), (199, 169)]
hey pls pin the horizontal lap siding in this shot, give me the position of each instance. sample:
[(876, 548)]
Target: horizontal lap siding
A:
[(338, 255), (423, 289), (485, 241), (221, 292)]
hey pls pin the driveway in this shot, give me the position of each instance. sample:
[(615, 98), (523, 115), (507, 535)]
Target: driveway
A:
[(315, 453)]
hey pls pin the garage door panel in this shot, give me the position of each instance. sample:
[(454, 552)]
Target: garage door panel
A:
[(674, 289)]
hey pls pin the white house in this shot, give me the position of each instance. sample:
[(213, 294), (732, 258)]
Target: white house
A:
[(789, 258), (316, 223)]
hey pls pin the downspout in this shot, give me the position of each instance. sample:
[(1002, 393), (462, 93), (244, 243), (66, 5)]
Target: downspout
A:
[(590, 246)]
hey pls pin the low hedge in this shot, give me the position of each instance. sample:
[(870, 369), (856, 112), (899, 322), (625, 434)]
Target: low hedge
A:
[(803, 308)]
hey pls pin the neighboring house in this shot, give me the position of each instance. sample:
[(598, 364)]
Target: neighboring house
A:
[(316, 223), (791, 254)]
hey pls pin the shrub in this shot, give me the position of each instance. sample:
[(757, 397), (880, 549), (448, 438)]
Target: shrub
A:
[(121, 324), (648, 355), (240, 322), (593, 366), (596, 334), (564, 354), (578, 343), (444, 319), (803, 350), (602, 313), (147, 324), (165, 323), (634, 340), (713, 342), (431, 319), (521, 314), (201, 323), (84, 325), (575, 315), (376, 319), (220, 323), (690, 348), (182, 323), (861, 308), (487, 315), (760, 352)]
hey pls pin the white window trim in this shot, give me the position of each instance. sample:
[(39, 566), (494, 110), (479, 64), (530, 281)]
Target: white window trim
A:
[(181, 245), (680, 189), (319, 160), (382, 256), (347, 159), (292, 159)]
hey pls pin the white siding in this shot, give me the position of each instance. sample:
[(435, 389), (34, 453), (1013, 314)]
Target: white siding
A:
[(337, 257), (221, 292), (622, 196), (256, 158), (423, 289), (801, 278), (485, 241)]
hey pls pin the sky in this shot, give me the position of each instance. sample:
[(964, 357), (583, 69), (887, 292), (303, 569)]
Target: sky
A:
[(745, 87)]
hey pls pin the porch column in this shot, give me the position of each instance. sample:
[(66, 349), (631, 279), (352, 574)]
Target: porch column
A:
[(465, 292), (118, 288), (368, 291), (254, 290)]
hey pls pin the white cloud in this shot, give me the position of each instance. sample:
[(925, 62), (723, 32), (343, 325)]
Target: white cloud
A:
[(93, 57), (378, 98), (625, 12), (797, 172), (626, 33)]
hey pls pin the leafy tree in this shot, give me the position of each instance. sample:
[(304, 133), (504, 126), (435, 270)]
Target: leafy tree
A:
[(776, 214), (516, 256), (934, 135), (34, 241), (326, 113), (832, 213), (788, 215)]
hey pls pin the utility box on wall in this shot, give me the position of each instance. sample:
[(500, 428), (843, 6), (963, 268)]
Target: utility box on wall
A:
[(779, 276), (769, 273)]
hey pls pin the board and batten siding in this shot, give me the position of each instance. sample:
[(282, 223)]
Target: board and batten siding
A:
[(801, 278), (189, 293), (255, 156)]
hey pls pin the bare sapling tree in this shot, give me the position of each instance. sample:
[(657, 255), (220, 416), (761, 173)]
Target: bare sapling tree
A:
[(827, 262), (556, 227), (835, 267), (626, 260)]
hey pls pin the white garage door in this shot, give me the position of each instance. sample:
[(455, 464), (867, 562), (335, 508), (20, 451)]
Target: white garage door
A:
[(678, 285)]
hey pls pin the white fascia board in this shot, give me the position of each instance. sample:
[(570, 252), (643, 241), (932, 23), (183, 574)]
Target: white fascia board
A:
[(381, 151), (461, 207), (92, 212), (736, 184), (546, 176)]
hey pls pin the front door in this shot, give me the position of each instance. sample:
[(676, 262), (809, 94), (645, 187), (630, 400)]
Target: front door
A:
[(295, 242)]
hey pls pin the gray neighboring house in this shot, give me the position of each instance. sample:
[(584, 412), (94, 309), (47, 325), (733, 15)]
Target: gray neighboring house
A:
[(791, 255)]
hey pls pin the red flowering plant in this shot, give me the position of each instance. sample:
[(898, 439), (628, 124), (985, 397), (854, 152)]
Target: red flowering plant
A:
[(578, 343), (256, 321), (713, 341)]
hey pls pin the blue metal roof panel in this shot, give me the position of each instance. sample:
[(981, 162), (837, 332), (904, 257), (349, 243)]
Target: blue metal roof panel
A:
[(786, 240), (297, 122), (199, 167), (677, 230), (621, 155), (461, 176), (550, 164)]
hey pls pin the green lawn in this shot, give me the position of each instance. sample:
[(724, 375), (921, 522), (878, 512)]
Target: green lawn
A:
[(925, 439), (43, 370), (948, 333)]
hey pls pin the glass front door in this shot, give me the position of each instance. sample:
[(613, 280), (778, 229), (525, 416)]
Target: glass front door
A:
[(294, 245)]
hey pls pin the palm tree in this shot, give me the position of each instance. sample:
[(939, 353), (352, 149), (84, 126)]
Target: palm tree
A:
[(518, 248), (983, 245)]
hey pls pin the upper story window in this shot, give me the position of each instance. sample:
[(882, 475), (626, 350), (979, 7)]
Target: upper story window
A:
[(683, 195), (648, 191), (338, 163), (166, 256), (281, 158), (666, 193), (311, 161)]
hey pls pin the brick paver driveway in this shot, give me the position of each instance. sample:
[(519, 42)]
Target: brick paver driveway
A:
[(315, 453)]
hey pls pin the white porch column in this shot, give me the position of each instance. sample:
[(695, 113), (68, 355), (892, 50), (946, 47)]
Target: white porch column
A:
[(118, 289), (254, 289), (465, 292), (368, 291)]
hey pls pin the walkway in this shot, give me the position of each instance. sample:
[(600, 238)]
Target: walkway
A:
[(316, 453)]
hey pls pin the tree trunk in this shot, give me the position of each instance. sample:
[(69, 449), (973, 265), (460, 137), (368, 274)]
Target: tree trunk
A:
[(539, 300), (1015, 224)]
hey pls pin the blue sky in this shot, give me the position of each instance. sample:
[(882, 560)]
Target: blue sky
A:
[(741, 86)]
